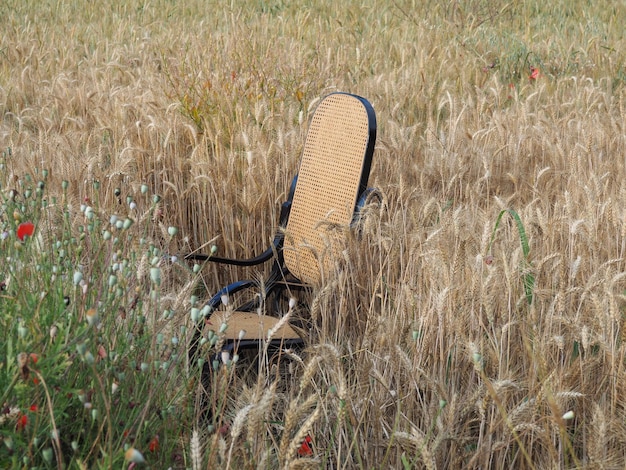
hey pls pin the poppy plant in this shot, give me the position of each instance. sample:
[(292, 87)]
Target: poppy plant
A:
[(534, 73), (25, 229)]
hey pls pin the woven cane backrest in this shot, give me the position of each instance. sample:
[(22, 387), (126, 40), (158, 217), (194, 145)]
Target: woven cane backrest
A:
[(334, 170)]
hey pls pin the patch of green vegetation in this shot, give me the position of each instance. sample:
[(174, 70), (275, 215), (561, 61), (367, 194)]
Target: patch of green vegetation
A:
[(87, 369)]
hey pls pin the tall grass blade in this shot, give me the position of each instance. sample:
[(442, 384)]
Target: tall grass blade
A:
[(528, 278)]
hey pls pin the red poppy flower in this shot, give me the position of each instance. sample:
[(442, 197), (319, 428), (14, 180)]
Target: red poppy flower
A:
[(22, 421), (306, 449), (25, 229), (154, 444), (534, 73)]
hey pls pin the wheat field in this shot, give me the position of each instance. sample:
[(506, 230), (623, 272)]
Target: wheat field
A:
[(478, 323)]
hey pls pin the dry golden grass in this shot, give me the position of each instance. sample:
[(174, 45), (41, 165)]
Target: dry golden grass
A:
[(425, 356)]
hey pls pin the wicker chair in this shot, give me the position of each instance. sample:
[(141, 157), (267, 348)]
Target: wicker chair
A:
[(327, 192)]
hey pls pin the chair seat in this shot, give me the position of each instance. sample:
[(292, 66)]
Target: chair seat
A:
[(254, 326)]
